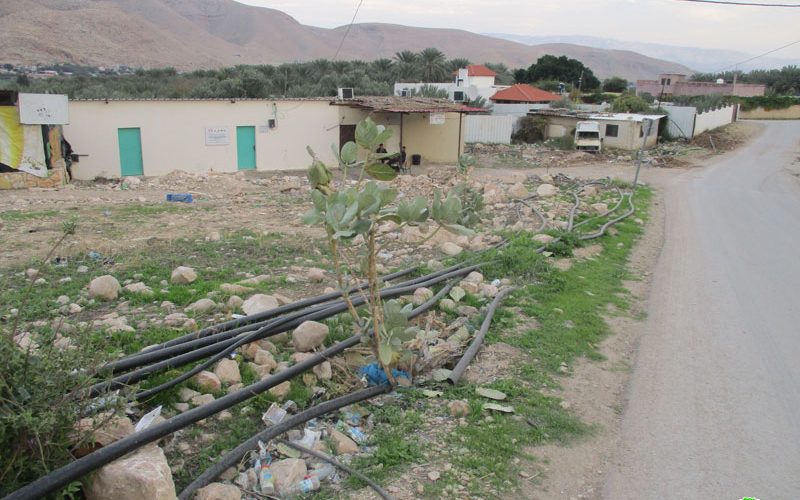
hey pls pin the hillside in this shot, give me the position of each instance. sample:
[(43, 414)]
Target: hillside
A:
[(192, 34)]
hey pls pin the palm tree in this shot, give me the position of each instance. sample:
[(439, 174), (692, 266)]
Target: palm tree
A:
[(405, 57), (456, 64), (407, 65), (433, 65)]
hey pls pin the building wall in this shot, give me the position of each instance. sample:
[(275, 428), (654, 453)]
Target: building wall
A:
[(173, 134), (790, 113), (627, 136), (654, 88), (713, 119), (436, 143), (489, 129), (680, 122)]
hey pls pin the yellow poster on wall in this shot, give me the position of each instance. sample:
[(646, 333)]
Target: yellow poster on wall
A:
[(11, 137)]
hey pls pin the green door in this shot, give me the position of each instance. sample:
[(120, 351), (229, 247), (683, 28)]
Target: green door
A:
[(246, 147), (130, 151)]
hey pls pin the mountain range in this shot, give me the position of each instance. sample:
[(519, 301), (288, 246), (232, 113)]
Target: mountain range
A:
[(194, 34), (705, 60)]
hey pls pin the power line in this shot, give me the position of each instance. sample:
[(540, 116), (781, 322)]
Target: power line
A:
[(745, 4), (348, 29), (760, 55)]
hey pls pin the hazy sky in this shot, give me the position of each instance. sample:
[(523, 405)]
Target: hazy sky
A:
[(749, 29)]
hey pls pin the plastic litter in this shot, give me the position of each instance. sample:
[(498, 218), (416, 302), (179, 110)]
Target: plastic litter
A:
[(265, 480), (307, 485), (274, 415), (376, 376), (147, 419), (180, 197)]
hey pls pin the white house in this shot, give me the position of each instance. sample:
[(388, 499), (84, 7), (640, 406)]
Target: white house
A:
[(468, 83)]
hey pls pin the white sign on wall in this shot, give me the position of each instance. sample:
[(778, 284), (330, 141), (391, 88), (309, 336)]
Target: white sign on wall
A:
[(437, 119), (218, 136), (43, 109)]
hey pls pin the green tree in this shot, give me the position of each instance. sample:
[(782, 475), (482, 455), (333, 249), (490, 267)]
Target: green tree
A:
[(456, 64), (407, 65), (629, 103), (432, 64), (615, 84), (562, 69)]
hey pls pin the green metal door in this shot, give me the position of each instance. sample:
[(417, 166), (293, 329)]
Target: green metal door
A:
[(246, 147), (130, 151)]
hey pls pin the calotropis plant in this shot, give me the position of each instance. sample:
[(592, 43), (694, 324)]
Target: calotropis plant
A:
[(353, 212)]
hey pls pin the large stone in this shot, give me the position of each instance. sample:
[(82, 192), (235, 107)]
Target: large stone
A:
[(104, 288), (544, 239), (316, 274), (138, 287), (547, 190), (323, 371), (143, 474), (208, 381), (492, 194), (202, 306), (474, 277), (235, 289), (518, 191), (288, 472), (281, 390), (227, 370), (590, 191), (259, 303), (343, 443), (104, 428), (450, 248), (309, 335), (175, 319), (421, 295), (257, 280), (235, 302), (600, 208), (183, 275), (265, 358), (218, 491)]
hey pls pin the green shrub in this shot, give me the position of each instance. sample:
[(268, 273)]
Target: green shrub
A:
[(531, 129)]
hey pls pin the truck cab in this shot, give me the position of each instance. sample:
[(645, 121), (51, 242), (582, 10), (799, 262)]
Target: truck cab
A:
[(587, 137)]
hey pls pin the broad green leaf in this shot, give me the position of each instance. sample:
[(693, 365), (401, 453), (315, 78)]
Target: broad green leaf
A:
[(344, 234), (490, 393), (458, 229), (350, 214), (349, 152), (361, 226), (390, 217), (381, 171), (366, 134), (383, 135), (457, 293), (386, 353), (320, 200), (313, 217)]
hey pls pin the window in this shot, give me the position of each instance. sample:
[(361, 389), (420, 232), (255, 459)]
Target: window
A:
[(669, 81), (612, 130)]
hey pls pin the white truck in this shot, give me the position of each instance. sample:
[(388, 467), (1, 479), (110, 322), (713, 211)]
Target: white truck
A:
[(587, 137)]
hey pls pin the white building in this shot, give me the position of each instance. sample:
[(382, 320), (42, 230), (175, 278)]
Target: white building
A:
[(468, 83)]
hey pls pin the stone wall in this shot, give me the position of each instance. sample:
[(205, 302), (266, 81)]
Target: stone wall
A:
[(24, 180), (790, 113)]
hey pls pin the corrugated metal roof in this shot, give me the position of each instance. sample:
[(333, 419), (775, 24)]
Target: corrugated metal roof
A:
[(398, 104)]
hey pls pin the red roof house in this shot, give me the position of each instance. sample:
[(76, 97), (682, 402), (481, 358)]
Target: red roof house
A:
[(479, 70), (524, 93)]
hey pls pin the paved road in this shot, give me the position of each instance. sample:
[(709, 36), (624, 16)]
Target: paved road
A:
[(714, 400)]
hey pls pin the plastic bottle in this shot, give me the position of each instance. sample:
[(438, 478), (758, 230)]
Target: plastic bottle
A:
[(322, 472), (307, 485), (265, 480)]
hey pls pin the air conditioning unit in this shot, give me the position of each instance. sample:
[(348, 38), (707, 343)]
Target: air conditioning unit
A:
[(458, 96), (405, 93), (345, 93)]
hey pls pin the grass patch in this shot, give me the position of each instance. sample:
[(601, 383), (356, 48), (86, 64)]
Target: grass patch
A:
[(18, 215)]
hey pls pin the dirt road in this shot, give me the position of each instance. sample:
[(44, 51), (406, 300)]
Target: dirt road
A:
[(714, 401)]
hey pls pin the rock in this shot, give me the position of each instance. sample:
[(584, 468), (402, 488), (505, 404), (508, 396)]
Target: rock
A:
[(316, 274), (186, 394), (467, 310), (144, 473), (235, 302), (323, 371), (208, 381), (227, 370), (105, 428), (74, 308), (183, 275), (261, 370), (434, 475), (257, 280), (474, 277), (214, 236), (218, 491), (235, 289), (82, 269), (421, 295), (590, 191), (32, 274), (104, 288), (40, 281), (167, 305), (308, 335), (458, 408), (288, 472), (138, 287), (202, 399), (493, 194), (435, 265), (344, 445), (544, 239), (202, 306), (265, 358), (488, 290), (181, 407), (62, 300), (447, 305), (450, 248), (547, 190), (518, 191), (190, 324), (470, 287), (282, 299), (281, 390), (259, 303), (249, 350), (600, 208), (175, 319)]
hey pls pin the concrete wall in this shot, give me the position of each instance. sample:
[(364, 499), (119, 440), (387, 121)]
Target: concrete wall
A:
[(654, 88), (173, 134), (628, 137), (713, 119), (790, 113), (436, 143), (489, 129), (680, 122)]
